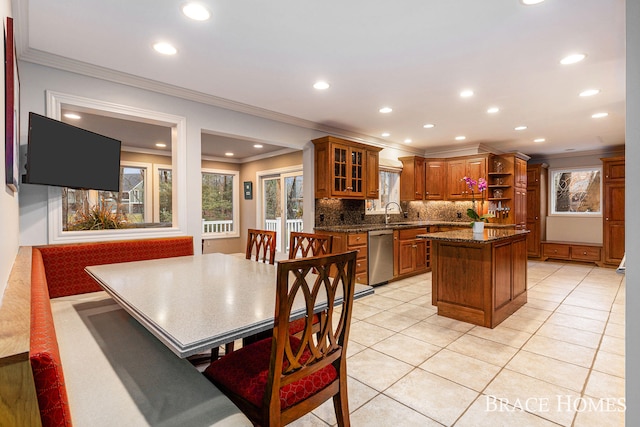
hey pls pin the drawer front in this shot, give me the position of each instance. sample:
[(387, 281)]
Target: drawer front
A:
[(555, 250), (355, 239), (410, 233), (585, 253), (362, 251), (361, 265), (362, 278)]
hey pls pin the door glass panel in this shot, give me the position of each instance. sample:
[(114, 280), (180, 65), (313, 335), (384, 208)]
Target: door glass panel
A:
[(294, 203), (272, 202)]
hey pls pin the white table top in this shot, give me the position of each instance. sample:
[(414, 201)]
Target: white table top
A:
[(195, 303)]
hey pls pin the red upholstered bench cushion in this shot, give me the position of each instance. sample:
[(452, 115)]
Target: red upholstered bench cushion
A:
[(44, 354), (244, 372), (64, 264)]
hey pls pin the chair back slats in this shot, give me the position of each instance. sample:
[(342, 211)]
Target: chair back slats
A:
[(262, 244), (303, 245), (324, 279)]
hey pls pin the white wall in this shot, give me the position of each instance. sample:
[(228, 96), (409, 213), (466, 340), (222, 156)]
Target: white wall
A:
[(36, 79), (9, 214)]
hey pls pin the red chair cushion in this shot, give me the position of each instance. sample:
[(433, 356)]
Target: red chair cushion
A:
[(298, 325), (64, 264), (244, 372), (44, 354)]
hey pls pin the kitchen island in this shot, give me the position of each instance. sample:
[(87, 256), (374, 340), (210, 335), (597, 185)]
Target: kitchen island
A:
[(479, 278)]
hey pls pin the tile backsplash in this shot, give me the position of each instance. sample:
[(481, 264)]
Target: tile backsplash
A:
[(332, 212)]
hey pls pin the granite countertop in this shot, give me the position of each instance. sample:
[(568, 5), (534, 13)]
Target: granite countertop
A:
[(468, 236), (363, 228)]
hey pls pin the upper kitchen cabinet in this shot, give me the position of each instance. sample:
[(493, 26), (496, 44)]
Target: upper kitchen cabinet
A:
[(412, 178), (434, 173), (459, 167), (345, 169)]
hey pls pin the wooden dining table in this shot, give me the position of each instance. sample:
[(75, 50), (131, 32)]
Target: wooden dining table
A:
[(195, 303)]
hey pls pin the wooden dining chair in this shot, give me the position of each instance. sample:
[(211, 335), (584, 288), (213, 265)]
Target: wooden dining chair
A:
[(303, 245), (281, 378), (261, 244)]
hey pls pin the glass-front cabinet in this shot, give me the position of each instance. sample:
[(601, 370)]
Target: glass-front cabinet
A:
[(341, 168)]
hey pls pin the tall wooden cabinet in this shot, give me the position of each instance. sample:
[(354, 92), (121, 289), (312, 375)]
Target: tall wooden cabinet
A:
[(613, 202), (537, 176), (345, 169)]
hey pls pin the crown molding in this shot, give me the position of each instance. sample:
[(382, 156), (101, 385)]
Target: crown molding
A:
[(38, 57)]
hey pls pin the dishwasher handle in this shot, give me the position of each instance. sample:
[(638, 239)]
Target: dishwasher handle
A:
[(380, 232)]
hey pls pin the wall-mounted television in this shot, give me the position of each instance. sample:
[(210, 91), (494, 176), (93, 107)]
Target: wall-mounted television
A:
[(63, 155)]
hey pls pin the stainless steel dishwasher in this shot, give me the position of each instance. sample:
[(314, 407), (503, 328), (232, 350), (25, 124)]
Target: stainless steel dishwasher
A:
[(380, 256)]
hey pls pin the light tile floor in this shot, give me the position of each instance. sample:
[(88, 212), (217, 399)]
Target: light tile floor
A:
[(559, 360)]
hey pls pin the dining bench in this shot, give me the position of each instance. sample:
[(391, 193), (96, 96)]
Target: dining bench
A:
[(115, 371)]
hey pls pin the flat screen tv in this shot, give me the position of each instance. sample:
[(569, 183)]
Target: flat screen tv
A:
[(63, 155)]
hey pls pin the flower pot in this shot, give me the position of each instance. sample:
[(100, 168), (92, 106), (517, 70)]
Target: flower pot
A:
[(478, 227)]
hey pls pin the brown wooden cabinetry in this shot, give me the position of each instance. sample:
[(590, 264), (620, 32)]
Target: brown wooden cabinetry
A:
[(479, 282), (411, 252), (412, 178), (584, 252), (613, 202), (342, 169), (343, 242), (457, 168), (536, 208), (434, 179)]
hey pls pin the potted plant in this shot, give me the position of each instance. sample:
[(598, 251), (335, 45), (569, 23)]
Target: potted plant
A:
[(478, 217)]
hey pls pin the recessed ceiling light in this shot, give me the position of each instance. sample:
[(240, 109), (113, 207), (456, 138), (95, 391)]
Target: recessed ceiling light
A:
[(72, 116), (520, 127), (229, 154), (493, 110), (590, 92), (165, 48), (385, 134), (460, 138), (466, 93), (257, 145), (161, 144), (196, 11), (573, 58), (531, 2), (539, 140), (321, 85), (599, 115), (386, 110), (429, 126), (407, 141)]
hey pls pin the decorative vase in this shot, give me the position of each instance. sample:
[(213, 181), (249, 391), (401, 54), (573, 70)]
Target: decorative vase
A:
[(478, 227)]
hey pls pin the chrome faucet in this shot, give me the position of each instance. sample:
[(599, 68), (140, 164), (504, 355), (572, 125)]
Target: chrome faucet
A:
[(386, 209)]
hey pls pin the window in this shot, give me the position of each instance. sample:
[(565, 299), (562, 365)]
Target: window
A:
[(220, 201), (98, 210), (163, 196), (61, 201), (576, 191), (389, 192)]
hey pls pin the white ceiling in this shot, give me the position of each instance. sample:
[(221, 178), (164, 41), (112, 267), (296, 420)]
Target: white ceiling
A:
[(412, 55)]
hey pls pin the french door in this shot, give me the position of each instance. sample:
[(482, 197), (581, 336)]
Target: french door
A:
[(282, 206)]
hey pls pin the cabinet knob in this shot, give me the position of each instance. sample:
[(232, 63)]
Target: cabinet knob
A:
[(607, 219), (584, 253)]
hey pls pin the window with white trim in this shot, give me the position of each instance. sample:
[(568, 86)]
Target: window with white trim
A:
[(220, 203), (85, 210), (389, 192), (576, 191)]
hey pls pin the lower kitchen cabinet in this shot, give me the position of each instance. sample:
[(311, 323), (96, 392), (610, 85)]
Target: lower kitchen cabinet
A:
[(412, 254), (343, 242)]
